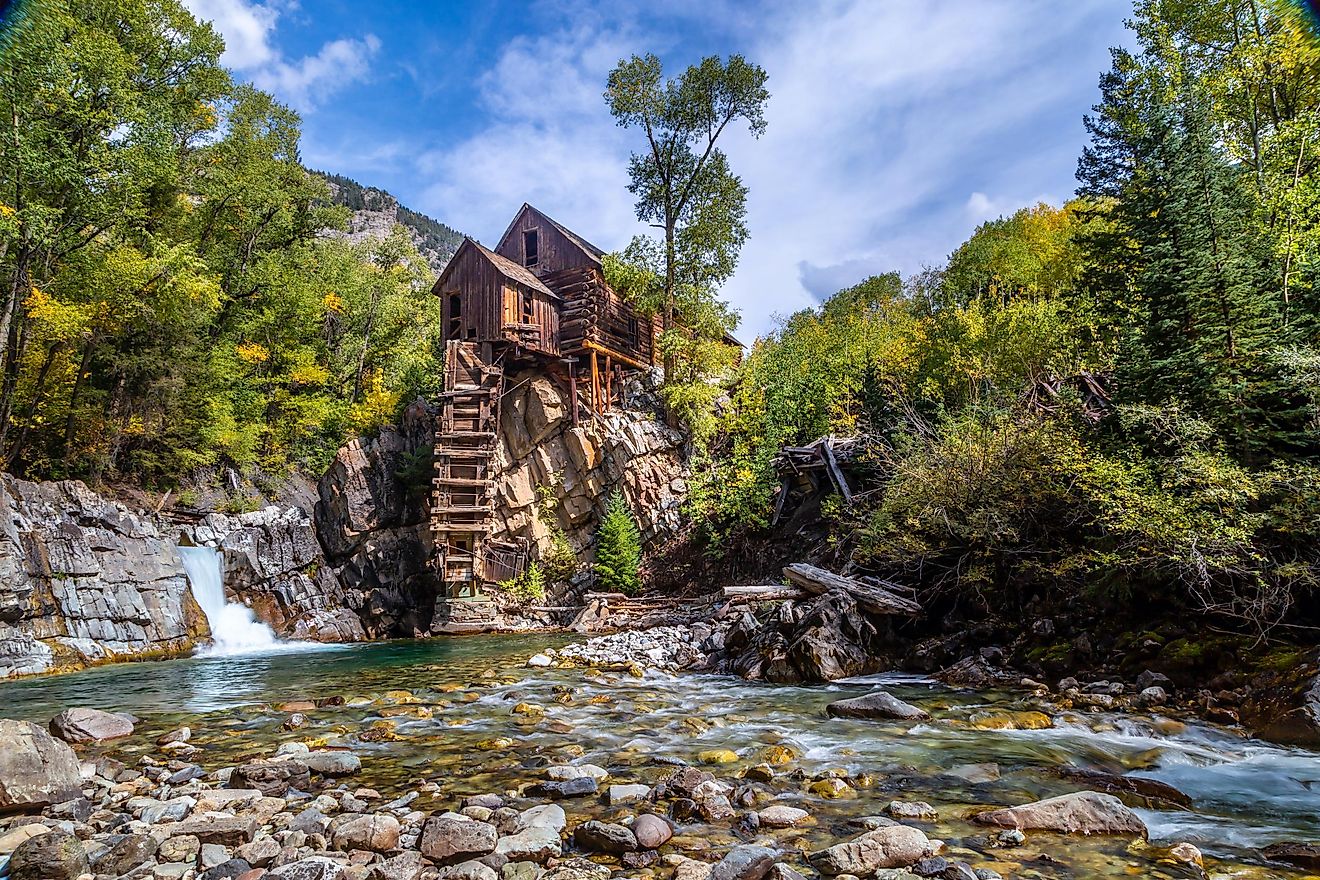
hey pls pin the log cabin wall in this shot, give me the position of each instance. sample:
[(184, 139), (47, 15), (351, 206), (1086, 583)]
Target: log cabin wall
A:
[(594, 316)]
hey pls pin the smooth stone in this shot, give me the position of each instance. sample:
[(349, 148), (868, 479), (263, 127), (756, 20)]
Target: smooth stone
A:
[(36, 769), (605, 837), (450, 841), (569, 772), (177, 735), (407, 865), (745, 863), (912, 810), (894, 846), (542, 816), (81, 725), (975, 773), (626, 794), (469, 870), (539, 661), (535, 844), (331, 763), (1083, 812), (652, 831), (877, 704), (377, 832), (782, 816), (57, 855), (717, 756)]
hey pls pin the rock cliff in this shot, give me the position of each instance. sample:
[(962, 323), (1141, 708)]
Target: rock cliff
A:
[(83, 580)]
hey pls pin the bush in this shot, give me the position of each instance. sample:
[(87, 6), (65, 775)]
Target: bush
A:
[(528, 586), (618, 549)]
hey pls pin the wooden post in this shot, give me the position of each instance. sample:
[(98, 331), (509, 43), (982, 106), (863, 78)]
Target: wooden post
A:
[(595, 382), (572, 390), (609, 389)]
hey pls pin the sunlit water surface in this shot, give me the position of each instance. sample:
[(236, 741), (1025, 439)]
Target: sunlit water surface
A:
[(455, 726)]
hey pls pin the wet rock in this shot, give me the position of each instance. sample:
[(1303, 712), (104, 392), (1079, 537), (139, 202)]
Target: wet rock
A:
[(535, 844), (878, 704), (215, 828), (377, 832), (572, 788), (934, 866), (896, 846), (652, 831), (570, 772), (626, 794), (782, 816), (1086, 812), (331, 763), (831, 788), (977, 774), (177, 735), (539, 661), (1006, 720), (1148, 789), (272, 778), (744, 863), (604, 837), (1299, 855), (310, 868), (35, 768), (129, 852), (450, 841), (53, 856), (717, 756), (919, 810)]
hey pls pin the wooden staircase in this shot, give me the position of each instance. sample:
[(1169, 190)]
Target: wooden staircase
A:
[(463, 487)]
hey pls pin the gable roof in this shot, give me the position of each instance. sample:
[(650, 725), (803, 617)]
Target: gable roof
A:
[(593, 253), (506, 267)]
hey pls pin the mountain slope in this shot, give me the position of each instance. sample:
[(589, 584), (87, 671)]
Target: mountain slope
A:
[(376, 211)]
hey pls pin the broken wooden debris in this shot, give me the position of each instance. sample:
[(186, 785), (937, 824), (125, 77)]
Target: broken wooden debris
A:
[(874, 598)]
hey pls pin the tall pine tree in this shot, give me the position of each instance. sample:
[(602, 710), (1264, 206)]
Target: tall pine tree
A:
[(618, 549)]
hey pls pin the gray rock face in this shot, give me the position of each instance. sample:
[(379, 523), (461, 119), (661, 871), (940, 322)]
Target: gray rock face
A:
[(83, 579), (1083, 812), (878, 704), (80, 725), (895, 846), (35, 768)]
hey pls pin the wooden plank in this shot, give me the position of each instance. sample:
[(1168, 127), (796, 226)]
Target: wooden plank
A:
[(764, 593), (877, 600), (837, 475), (594, 347), (595, 383)]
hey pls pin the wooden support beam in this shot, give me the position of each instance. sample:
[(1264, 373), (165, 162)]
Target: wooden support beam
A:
[(617, 355), (595, 382), (609, 391), (839, 480)]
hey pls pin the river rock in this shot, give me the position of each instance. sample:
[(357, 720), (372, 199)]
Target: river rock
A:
[(54, 856), (895, 846), (450, 841), (473, 869), (542, 816), (919, 810), (577, 869), (272, 778), (1141, 786), (1300, 855), (1084, 812), (217, 828), (377, 832), (331, 762), (605, 837), (310, 868), (129, 852), (626, 794), (407, 865), (877, 704), (652, 831), (744, 863), (80, 725), (581, 786), (35, 768), (782, 816), (535, 844)]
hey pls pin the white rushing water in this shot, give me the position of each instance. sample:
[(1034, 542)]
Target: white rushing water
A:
[(234, 628)]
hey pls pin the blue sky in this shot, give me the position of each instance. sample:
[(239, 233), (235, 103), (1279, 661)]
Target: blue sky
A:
[(895, 126)]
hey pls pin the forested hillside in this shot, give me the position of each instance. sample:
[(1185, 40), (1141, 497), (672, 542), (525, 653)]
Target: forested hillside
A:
[(1115, 399), (170, 301)]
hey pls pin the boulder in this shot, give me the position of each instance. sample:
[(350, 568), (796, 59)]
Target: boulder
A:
[(877, 704), (217, 828), (272, 778), (54, 856), (449, 841), (1084, 812), (1299, 855), (894, 846), (36, 769), (129, 852), (604, 837), (310, 868), (582, 786), (80, 725), (331, 763), (535, 844), (378, 832)]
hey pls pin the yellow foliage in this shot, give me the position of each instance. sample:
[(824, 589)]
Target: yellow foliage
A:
[(56, 319), (253, 353), (376, 407), (334, 303), (309, 374)]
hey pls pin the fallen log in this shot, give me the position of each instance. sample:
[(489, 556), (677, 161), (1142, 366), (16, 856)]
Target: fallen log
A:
[(875, 599), (764, 593)]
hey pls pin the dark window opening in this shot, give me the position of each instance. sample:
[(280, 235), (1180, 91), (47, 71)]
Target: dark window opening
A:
[(530, 247), (634, 332), (455, 317), (528, 316)]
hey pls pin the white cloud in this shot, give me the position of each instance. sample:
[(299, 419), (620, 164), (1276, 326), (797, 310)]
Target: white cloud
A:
[(248, 28)]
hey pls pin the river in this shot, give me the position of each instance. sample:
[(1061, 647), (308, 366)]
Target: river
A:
[(442, 710)]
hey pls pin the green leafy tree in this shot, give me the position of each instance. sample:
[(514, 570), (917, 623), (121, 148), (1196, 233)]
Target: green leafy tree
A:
[(618, 549), (684, 185)]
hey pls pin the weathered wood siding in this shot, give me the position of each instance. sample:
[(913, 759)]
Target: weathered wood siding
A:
[(555, 251), (489, 302)]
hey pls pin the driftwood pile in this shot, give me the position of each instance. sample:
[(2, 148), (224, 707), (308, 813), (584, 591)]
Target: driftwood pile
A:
[(805, 581)]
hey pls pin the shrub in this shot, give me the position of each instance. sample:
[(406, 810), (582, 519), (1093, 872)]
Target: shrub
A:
[(528, 586)]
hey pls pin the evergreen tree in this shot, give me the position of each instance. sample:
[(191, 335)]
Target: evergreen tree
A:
[(618, 549)]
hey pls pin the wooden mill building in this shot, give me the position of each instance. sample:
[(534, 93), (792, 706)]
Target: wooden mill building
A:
[(538, 299)]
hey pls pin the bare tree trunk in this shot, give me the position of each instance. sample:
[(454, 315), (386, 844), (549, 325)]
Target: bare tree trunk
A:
[(83, 365)]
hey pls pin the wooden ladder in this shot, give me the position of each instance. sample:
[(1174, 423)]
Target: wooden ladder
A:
[(463, 486)]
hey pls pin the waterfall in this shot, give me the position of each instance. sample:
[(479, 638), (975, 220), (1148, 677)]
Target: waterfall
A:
[(234, 628)]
